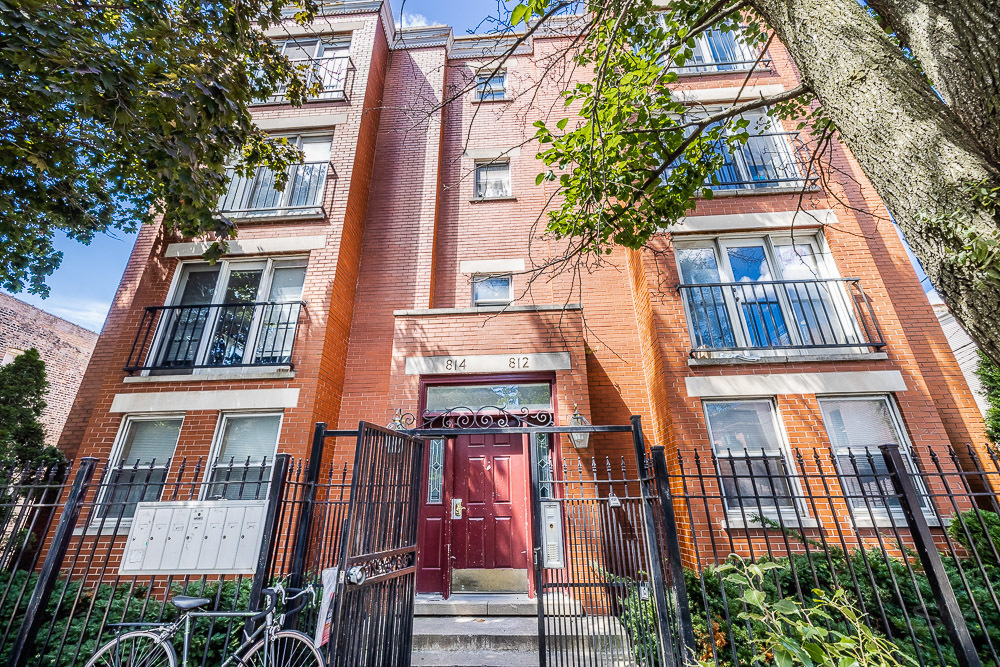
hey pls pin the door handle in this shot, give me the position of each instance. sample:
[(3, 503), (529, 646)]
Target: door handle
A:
[(456, 508)]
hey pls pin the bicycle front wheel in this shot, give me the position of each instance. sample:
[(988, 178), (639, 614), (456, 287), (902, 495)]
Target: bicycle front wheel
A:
[(140, 648), (288, 648)]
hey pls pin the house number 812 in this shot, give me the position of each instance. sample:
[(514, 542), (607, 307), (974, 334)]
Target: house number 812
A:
[(517, 362)]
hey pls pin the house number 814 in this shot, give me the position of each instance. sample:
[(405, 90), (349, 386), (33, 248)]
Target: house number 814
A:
[(517, 362)]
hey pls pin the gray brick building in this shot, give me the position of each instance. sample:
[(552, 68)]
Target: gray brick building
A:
[(64, 346)]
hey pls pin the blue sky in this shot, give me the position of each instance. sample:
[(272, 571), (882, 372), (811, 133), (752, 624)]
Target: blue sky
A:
[(83, 287)]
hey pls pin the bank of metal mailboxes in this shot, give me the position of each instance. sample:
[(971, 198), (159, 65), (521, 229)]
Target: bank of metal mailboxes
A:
[(194, 537)]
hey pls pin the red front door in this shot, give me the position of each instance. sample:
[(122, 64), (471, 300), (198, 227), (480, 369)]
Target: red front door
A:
[(480, 522), (490, 480)]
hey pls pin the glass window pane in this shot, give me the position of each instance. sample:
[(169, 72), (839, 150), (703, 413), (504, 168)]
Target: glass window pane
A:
[(302, 49), (286, 284), (710, 321), (148, 441), (742, 426), (435, 472), (531, 396), (493, 180), (491, 88), (243, 465), (545, 468), (316, 149), (491, 289)]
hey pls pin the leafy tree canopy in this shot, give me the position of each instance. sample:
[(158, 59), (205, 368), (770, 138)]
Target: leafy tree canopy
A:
[(112, 114), (22, 399)]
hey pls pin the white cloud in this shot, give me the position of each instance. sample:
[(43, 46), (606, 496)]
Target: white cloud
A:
[(412, 20)]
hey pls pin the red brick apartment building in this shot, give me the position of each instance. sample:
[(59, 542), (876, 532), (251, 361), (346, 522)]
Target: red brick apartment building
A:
[(394, 273)]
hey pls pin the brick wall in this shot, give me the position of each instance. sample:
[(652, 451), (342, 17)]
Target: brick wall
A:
[(64, 347)]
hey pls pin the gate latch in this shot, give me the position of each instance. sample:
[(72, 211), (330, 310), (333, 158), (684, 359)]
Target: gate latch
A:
[(456, 508)]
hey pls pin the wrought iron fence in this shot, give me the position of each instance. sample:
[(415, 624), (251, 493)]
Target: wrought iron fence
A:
[(915, 546), (781, 314), (57, 612), (329, 73), (258, 194), (182, 338)]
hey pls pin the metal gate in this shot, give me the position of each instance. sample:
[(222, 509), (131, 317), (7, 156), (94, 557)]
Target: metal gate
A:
[(598, 564), (373, 606)]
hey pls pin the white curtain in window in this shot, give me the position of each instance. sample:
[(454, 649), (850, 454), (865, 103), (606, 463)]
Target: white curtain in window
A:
[(493, 180)]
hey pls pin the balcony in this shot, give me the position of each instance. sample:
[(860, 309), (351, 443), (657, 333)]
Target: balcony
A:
[(330, 73), (232, 335), (718, 52), (820, 314), (766, 160), (257, 196)]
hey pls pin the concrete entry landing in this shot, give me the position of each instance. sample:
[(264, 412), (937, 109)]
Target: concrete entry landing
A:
[(475, 604)]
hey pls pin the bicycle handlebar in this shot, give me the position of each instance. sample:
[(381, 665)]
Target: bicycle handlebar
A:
[(286, 594), (272, 601)]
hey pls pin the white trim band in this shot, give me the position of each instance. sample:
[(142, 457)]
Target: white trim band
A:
[(854, 382), (299, 121), (739, 221), (492, 266), (727, 94), (229, 399), (250, 246), (492, 153), (488, 363)]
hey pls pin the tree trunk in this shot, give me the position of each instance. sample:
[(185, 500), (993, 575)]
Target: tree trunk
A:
[(917, 153)]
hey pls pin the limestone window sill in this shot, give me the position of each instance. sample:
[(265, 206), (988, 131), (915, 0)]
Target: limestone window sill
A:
[(275, 373), (717, 359)]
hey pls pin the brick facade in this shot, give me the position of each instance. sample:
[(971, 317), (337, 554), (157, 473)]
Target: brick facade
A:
[(64, 347), (387, 284)]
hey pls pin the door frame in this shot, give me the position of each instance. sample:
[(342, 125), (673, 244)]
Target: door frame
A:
[(449, 453)]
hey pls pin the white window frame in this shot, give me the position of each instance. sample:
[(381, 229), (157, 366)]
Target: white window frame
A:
[(489, 163), (479, 277), (864, 516), (338, 45), (741, 515), (220, 430), (269, 264), (114, 462), (483, 79), (771, 240)]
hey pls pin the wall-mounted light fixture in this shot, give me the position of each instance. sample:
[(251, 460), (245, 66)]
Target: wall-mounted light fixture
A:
[(579, 440)]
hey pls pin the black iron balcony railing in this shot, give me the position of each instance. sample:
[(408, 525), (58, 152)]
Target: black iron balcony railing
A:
[(225, 335), (330, 73), (767, 160), (723, 66), (781, 314), (256, 196)]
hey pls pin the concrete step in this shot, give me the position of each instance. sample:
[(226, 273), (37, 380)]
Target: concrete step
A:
[(475, 633), (474, 659), (475, 604)]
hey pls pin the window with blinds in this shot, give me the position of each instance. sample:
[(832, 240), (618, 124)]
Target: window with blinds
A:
[(753, 471), (140, 469), (856, 426), (493, 180), (244, 456)]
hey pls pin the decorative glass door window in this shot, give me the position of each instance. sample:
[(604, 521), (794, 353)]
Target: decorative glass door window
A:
[(435, 472), (546, 469), (749, 455), (231, 313), (856, 426), (244, 456), (492, 290), (302, 194), (533, 397), (145, 449), (493, 180)]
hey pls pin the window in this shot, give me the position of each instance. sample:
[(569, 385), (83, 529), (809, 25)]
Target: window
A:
[(546, 471), (256, 195), (244, 456), (491, 88), (856, 426), (749, 454), (492, 290), (493, 180), (326, 60), (435, 472), (10, 355), (145, 447), (767, 292), (231, 313), (530, 397), (719, 51)]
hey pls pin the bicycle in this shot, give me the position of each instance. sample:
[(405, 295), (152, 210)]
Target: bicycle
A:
[(276, 648)]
